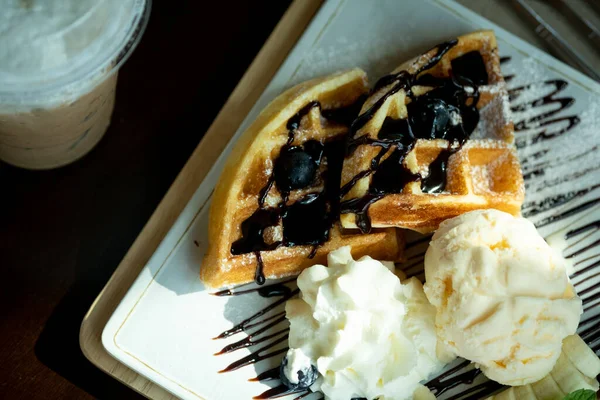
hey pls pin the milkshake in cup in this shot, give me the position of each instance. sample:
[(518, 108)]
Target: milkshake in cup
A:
[(58, 73)]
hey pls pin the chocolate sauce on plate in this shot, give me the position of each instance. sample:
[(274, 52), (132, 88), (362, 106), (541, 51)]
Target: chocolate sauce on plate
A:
[(448, 380), (245, 324), (274, 290), (546, 119), (268, 375), (258, 355), (280, 391)]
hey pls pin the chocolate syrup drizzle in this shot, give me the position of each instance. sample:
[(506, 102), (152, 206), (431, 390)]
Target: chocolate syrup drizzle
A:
[(429, 117), (552, 124), (546, 119), (461, 374), (246, 324), (258, 336), (282, 390), (297, 167), (448, 380), (277, 289)]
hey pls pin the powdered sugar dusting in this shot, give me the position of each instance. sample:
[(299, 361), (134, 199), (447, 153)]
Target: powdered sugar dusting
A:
[(557, 141), (494, 118), (268, 168), (372, 55), (481, 179)]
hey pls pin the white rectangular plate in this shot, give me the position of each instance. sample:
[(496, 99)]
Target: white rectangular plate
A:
[(164, 326)]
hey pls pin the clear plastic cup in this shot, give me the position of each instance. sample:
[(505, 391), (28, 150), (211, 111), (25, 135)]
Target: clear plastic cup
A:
[(57, 91)]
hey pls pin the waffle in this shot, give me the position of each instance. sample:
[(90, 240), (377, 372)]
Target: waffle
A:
[(415, 160), (275, 210)]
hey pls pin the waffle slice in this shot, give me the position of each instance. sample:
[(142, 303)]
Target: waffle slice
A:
[(433, 140), (275, 210)]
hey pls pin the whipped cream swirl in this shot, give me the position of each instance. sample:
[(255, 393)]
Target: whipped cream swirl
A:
[(368, 334)]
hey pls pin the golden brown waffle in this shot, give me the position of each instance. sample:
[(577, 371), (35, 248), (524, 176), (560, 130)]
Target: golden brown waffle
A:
[(251, 190), (481, 172)]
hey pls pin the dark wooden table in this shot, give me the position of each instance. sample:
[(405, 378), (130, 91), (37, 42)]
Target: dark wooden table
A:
[(63, 232)]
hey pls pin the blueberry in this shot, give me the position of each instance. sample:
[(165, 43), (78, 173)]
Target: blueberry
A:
[(432, 118), (306, 378), (294, 169)]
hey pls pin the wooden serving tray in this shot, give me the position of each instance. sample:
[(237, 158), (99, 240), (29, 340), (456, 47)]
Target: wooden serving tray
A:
[(241, 100)]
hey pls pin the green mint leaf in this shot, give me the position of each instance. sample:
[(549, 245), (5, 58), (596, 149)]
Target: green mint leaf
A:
[(581, 394)]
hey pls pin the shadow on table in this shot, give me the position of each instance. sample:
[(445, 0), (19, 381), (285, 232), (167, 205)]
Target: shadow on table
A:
[(58, 348)]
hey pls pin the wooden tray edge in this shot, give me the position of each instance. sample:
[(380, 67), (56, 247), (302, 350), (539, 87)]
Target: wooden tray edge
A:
[(242, 99)]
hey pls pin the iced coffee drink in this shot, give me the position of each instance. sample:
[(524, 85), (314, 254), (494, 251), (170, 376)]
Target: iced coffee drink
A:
[(58, 74)]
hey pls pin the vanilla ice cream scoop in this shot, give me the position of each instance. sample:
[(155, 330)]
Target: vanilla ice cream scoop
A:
[(368, 335), (502, 295)]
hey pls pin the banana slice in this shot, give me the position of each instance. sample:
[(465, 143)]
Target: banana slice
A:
[(423, 393), (524, 392), (547, 389), (576, 368), (584, 358), (508, 394), (569, 378)]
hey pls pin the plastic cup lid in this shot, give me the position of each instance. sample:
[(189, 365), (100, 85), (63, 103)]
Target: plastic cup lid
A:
[(53, 49)]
